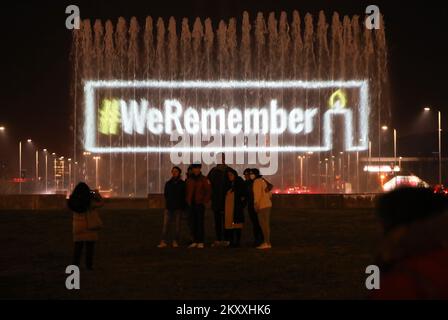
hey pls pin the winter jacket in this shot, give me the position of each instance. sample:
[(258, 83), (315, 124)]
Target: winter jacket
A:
[(198, 190), (262, 198), (413, 261), (174, 193), (219, 182), (80, 230)]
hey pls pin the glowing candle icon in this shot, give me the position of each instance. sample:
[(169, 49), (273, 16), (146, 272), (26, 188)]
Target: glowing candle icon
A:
[(338, 99)]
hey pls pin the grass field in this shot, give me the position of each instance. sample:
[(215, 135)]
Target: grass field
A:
[(317, 255)]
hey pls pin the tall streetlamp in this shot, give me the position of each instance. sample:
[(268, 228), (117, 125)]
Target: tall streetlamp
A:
[(385, 128), (54, 171), (439, 134), (62, 166), (86, 167), (69, 174), (37, 169), (301, 170), (20, 163), (96, 170), (46, 170)]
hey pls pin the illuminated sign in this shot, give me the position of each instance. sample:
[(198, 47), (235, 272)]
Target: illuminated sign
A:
[(137, 117), (381, 169), (166, 108)]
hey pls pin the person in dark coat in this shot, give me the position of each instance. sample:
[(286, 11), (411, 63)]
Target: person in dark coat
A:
[(413, 256), (258, 233), (197, 196), (218, 180), (235, 202), (174, 204)]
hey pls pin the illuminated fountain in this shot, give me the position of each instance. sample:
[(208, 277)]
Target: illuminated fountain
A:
[(309, 95)]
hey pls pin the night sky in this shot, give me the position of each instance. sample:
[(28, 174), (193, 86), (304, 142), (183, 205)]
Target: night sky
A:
[(35, 98)]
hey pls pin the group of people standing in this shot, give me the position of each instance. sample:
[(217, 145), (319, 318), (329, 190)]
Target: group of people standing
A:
[(230, 197), (229, 194)]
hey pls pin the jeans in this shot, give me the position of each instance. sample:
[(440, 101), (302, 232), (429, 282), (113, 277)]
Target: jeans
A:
[(264, 216), (219, 225), (234, 236), (171, 218), (197, 215), (258, 233), (90, 247)]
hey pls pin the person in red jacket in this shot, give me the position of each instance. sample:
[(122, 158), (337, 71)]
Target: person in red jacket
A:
[(198, 193), (413, 257)]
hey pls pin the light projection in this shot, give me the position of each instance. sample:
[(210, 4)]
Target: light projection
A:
[(279, 91), (140, 116)]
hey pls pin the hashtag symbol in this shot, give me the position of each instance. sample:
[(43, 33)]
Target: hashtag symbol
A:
[(109, 117)]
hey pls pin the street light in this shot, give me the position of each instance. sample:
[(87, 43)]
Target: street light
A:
[(2, 128), (46, 170), (86, 167), (439, 120), (385, 128), (20, 164), (301, 170), (96, 170), (37, 170), (69, 174)]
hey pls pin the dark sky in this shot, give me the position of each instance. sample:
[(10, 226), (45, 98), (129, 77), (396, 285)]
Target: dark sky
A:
[(35, 73)]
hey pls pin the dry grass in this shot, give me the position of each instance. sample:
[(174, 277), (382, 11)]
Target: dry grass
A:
[(316, 255)]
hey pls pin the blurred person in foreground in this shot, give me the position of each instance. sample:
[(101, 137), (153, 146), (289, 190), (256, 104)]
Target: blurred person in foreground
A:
[(413, 256), (84, 203)]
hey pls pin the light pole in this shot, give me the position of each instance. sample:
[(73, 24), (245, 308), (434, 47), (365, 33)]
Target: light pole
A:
[(301, 170), (333, 173), (46, 170), (54, 171), (395, 146), (341, 165), (385, 128), (96, 170), (70, 174), (20, 164), (37, 169), (62, 166), (439, 134), (86, 167), (357, 171)]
